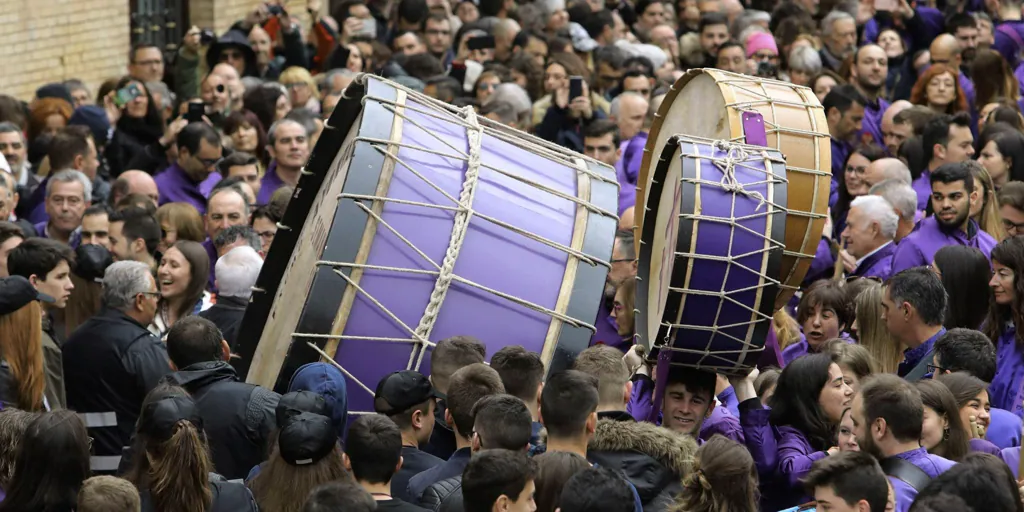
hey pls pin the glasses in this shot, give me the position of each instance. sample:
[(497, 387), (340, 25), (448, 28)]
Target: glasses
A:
[(1017, 228), (210, 162), (438, 32), (295, 85), (231, 55), (937, 369), (266, 234), (486, 86), (860, 169)]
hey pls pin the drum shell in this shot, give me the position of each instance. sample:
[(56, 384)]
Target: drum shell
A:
[(718, 257), (795, 124), (296, 287)]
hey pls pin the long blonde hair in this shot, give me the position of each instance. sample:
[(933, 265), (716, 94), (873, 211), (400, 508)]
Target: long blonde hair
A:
[(282, 487), (872, 333), (83, 304), (787, 331), (21, 346), (724, 478), (989, 219)]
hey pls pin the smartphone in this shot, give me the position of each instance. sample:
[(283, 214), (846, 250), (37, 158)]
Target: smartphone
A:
[(886, 5), (207, 37), (196, 111), (480, 43), (575, 87), (767, 70), (127, 94), (369, 28)]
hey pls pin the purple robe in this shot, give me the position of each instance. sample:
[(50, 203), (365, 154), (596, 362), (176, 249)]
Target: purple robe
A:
[(176, 187), (607, 330), (795, 457), (840, 152), (913, 356), (877, 264), (74, 240), (823, 263), (627, 169), (983, 446), (919, 247), (1004, 428), (1009, 40), (721, 422), (933, 465), (269, 184), (207, 185), (1005, 390), (923, 186), (871, 126), (1011, 456), (727, 399)]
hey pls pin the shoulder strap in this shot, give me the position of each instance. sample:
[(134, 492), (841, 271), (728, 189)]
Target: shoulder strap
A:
[(918, 372), (907, 472)]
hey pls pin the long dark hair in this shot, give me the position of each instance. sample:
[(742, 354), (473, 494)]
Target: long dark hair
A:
[(1011, 145), (842, 206), (965, 273), (795, 401), (955, 441), (148, 129), (52, 463), (262, 101), (240, 118), (174, 471), (199, 274), (993, 79), (911, 151), (723, 478), (1010, 253)]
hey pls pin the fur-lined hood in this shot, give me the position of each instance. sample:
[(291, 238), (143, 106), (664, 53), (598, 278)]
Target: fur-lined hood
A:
[(674, 451)]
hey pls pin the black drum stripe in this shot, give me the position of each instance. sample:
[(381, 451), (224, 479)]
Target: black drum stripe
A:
[(687, 206), (588, 287), (780, 196)]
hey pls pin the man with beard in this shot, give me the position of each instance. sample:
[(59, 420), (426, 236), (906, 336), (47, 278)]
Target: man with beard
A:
[(844, 111), (623, 266), (952, 194), (946, 139), (288, 145), (964, 28), (887, 414), (714, 32), (867, 74), (839, 35)]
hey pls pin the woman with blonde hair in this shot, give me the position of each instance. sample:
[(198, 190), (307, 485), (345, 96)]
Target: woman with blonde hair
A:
[(172, 467), (855, 361), (872, 333), (91, 261), (22, 381), (986, 209), (179, 221), (302, 89), (723, 478)]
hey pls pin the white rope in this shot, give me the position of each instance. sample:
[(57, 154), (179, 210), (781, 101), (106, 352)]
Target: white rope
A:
[(734, 153)]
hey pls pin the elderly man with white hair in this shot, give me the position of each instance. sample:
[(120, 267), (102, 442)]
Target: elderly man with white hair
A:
[(870, 228), (236, 274), (903, 199)]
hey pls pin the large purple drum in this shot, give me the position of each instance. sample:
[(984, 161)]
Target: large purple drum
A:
[(711, 252), (417, 221)]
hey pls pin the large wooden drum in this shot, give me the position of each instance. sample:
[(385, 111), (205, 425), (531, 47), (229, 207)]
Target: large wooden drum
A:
[(716, 104), (416, 222)]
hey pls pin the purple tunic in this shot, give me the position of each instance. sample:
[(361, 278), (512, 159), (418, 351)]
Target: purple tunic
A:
[(607, 330), (823, 263), (983, 446), (722, 422), (269, 184), (727, 399), (795, 350), (877, 264), (1011, 456), (176, 187), (923, 186), (913, 356), (919, 247), (74, 240), (840, 152), (933, 465), (871, 126), (627, 169), (1005, 390), (207, 185), (1004, 428), (795, 457), (1009, 40)]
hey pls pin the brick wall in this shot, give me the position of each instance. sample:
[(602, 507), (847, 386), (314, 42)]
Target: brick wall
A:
[(52, 40)]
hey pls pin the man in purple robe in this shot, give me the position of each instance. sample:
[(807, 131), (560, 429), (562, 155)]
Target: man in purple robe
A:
[(868, 73), (199, 152), (887, 415), (844, 111), (623, 266), (288, 145), (870, 228), (952, 194), (946, 139), (914, 308)]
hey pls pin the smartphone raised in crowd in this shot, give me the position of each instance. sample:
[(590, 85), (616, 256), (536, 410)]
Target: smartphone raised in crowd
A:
[(195, 113), (126, 94), (480, 43), (575, 87), (887, 5)]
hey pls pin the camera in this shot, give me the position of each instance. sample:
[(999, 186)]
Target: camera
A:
[(207, 37)]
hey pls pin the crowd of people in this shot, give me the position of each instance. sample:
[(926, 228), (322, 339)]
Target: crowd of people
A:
[(136, 217)]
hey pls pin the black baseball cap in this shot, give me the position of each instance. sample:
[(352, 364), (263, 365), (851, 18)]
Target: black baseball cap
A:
[(91, 262), (306, 439), (297, 402), (400, 391), (159, 418), (16, 292)]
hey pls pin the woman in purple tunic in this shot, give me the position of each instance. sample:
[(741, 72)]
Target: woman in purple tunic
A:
[(824, 312), (971, 394), (806, 408), (942, 432), (1005, 311)]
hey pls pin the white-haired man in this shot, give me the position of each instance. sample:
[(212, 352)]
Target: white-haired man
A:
[(903, 199), (870, 228), (237, 271)]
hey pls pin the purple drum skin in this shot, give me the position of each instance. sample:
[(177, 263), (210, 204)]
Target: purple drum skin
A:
[(710, 303), (491, 255)]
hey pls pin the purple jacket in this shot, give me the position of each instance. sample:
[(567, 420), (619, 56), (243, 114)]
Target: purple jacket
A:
[(840, 151), (176, 187), (919, 247), (269, 184), (795, 457), (1005, 390), (627, 169), (983, 446), (728, 400), (73, 241), (801, 348), (823, 263), (933, 465), (724, 423), (1011, 456), (1009, 40), (1004, 428), (913, 356), (871, 126), (878, 264), (923, 186)]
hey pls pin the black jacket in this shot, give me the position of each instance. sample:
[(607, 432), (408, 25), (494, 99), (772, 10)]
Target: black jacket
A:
[(110, 363), (444, 496), (227, 315), (652, 458), (227, 497), (237, 417)]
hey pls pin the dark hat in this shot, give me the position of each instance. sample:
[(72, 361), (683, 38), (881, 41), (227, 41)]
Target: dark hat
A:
[(91, 262), (160, 417), (401, 390), (95, 119), (297, 402), (306, 439), (16, 292), (55, 90)]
